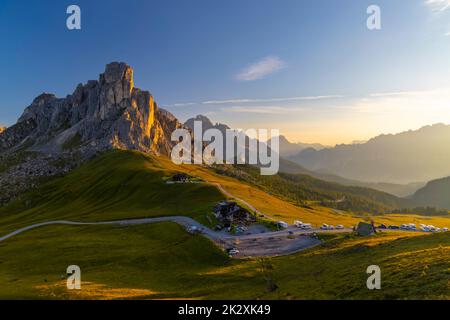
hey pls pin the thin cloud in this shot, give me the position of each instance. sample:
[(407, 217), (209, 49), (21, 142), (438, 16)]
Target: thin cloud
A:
[(398, 93), (244, 101), (261, 69), (438, 5), (308, 98), (262, 109), (185, 104)]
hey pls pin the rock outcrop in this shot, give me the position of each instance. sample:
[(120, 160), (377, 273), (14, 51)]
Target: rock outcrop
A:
[(206, 124), (55, 135), (107, 113)]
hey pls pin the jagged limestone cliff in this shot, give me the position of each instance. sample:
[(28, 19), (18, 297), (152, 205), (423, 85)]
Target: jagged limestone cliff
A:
[(108, 113)]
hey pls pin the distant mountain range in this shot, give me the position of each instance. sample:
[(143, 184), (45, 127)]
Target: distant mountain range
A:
[(288, 149), (404, 158), (206, 124), (397, 189)]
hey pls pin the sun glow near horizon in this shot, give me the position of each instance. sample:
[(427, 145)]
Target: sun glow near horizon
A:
[(335, 119)]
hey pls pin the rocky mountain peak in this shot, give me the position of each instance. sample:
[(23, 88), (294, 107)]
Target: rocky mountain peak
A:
[(43, 98), (118, 72), (106, 113)]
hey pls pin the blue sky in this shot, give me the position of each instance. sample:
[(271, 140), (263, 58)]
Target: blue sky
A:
[(309, 68)]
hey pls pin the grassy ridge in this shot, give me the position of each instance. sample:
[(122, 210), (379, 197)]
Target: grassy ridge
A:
[(304, 189), (163, 261), (127, 184), (116, 185)]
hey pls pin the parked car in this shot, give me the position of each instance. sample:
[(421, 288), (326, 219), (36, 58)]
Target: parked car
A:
[(330, 227), (194, 229), (339, 227), (282, 225), (324, 227), (382, 226), (393, 227), (298, 224), (306, 226), (233, 252), (240, 229)]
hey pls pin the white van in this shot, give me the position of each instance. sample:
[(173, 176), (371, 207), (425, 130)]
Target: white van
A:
[(298, 224)]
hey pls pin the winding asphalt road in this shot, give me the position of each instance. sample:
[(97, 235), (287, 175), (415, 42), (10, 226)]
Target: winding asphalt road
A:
[(271, 243), (266, 243), (249, 245)]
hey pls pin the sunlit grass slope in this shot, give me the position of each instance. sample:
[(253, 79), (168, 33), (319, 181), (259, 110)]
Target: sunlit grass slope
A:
[(163, 261), (127, 184), (282, 209), (116, 185), (270, 205)]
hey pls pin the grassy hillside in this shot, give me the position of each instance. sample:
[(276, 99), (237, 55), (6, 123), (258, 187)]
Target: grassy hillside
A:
[(435, 193), (116, 185), (163, 261), (304, 189), (126, 184)]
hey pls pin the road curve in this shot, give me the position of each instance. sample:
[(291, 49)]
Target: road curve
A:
[(273, 243), (185, 221)]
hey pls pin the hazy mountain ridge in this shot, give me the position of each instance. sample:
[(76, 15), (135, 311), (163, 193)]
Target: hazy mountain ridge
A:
[(399, 190), (288, 148), (436, 193), (406, 157), (206, 124), (287, 166)]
